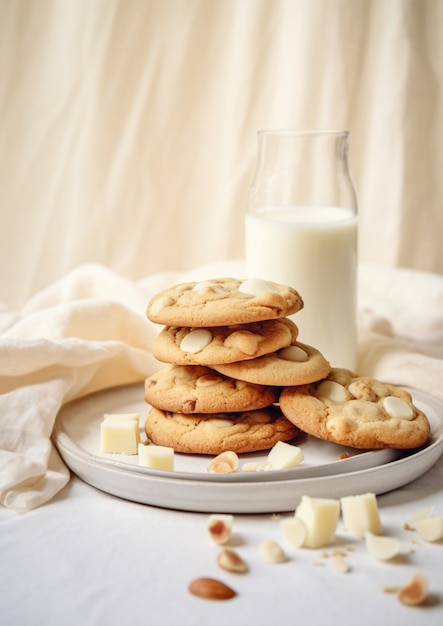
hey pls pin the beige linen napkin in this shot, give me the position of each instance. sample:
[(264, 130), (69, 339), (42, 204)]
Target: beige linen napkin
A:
[(401, 327), (84, 333)]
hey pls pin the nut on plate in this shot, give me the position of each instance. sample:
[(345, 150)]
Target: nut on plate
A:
[(224, 463)]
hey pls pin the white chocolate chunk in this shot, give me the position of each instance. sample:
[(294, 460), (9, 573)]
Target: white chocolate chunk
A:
[(320, 516), (120, 434), (421, 514), (360, 514), (219, 422), (430, 528), (256, 466), (283, 456), (160, 304), (207, 284), (243, 340), (220, 527), (196, 340), (294, 531), (332, 391), (294, 354), (382, 547), (156, 457), (256, 287), (272, 552), (397, 408)]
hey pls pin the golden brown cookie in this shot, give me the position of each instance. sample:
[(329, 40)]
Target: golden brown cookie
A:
[(243, 432), (297, 364), (222, 302), (199, 389), (355, 411), (222, 344)]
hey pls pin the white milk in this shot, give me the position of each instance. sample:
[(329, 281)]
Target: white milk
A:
[(313, 249)]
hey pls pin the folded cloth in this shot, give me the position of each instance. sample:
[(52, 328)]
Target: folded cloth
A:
[(89, 332), (84, 333), (401, 327)]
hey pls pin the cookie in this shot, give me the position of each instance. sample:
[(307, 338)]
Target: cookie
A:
[(222, 344), (355, 411), (199, 389), (249, 431), (297, 364), (223, 301)]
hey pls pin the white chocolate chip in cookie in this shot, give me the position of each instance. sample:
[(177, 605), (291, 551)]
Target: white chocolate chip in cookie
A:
[(243, 340), (160, 304), (398, 408), (361, 390), (256, 287), (196, 340), (207, 285), (340, 426), (219, 422), (293, 353), (332, 391)]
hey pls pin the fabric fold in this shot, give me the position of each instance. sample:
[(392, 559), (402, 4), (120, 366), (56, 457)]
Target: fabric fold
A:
[(85, 333)]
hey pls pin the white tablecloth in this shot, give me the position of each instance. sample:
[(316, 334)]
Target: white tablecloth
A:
[(89, 558), (70, 554)]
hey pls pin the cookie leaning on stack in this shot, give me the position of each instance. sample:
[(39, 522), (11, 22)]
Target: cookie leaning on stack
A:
[(215, 324), (356, 411)]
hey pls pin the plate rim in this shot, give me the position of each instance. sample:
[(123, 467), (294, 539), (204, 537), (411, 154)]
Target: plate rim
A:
[(96, 471)]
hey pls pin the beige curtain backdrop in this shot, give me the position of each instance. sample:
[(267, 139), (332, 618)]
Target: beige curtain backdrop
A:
[(128, 128)]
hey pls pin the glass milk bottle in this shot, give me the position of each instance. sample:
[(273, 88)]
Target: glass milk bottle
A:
[(301, 230)]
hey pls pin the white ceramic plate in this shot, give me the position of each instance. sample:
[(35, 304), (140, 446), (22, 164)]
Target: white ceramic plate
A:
[(323, 473)]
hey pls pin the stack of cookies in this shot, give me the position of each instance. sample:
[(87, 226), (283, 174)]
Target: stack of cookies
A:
[(230, 348), (238, 379)]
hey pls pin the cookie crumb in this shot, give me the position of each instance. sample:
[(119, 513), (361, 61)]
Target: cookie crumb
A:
[(338, 552), (339, 564)]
